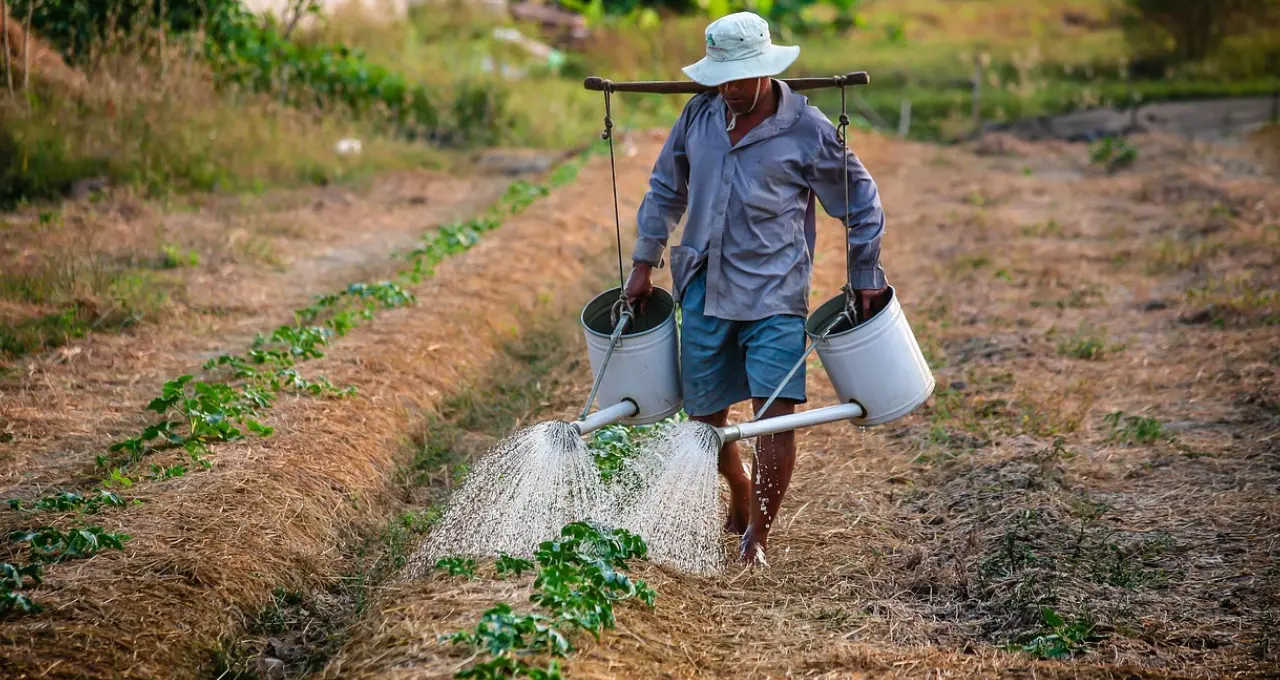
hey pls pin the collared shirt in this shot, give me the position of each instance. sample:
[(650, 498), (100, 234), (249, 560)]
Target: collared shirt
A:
[(750, 207)]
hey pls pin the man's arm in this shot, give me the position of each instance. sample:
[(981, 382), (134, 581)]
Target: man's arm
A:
[(863, 217), (663, 206), (668, 196)]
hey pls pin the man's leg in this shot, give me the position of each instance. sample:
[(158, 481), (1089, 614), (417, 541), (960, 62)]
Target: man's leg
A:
[(771, 473), (735, 473), (714, 378), (773, 346)]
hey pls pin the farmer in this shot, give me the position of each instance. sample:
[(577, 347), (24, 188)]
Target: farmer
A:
[(746, 161)]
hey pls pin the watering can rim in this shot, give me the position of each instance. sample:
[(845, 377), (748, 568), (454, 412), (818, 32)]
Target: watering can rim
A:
[(814, 324), (613, 293)]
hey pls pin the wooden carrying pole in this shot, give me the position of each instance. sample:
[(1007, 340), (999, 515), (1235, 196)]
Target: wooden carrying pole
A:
[(597, 84)]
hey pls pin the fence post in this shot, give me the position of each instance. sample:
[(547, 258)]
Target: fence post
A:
[(1275, 106), (977, 95), (904, 119)]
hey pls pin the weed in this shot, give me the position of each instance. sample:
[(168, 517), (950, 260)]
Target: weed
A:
[(1172, 255), (1015, 552), (172, 258), (1043, 229), (1087, 344), (1113, 153), (1134, 429), (1062, 640)]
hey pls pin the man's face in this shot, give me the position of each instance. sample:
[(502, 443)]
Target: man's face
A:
[(740, 95)]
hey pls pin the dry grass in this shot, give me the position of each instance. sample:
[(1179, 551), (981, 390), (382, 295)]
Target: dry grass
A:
[(925, 548), (281, 512)]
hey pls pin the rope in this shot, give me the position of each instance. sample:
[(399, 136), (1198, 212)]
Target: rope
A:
[(842, 133), (613, 176)]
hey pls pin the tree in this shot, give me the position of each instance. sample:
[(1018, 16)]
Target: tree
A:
[(1190, 30)]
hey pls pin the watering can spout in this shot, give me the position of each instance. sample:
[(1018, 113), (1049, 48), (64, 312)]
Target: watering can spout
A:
[(605, 416), (794, 421)]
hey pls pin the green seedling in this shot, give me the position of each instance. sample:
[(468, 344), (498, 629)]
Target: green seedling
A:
[(579, 579), (506, 564), (503, 667), (68, 501), (14, 578), (457, 566), (502, 632), (49, 544), (1062, 640)]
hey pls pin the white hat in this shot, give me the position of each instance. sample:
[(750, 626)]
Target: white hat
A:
[(738, 47)]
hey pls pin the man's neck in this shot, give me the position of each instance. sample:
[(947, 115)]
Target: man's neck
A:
[(767, 106)]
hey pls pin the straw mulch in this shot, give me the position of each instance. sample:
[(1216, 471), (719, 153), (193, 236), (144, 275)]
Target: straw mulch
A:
[(261, 261), (283, 512), (926, 547)]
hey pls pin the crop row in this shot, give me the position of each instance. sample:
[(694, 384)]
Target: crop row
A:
[(579, 578), (195, 414)]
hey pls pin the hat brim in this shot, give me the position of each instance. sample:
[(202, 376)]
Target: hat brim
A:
[(773, 61)]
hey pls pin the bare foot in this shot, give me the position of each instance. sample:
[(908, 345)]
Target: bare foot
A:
[(737, 521), (751, 548)]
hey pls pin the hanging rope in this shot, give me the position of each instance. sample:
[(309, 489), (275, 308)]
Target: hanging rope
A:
[(842, 133), (613, 175)]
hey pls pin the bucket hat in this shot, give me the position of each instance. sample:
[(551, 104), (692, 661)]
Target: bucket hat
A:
[(738, 47)]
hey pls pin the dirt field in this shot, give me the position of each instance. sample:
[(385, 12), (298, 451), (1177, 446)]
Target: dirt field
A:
[(1103, 449)]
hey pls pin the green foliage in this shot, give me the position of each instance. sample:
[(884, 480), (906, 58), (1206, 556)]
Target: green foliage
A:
[(1134, 429), (1190, 30), (34, 164), (14, 578), (254, 54), (613, 445), (1062, 640), (457, 566), (49, 544), (579, 579), (172, 258), (68, 501), (1087, 344), (1113, 153), (506, 564)]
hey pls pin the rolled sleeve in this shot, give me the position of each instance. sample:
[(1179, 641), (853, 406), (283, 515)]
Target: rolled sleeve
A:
[(667, 199), (863, 216)]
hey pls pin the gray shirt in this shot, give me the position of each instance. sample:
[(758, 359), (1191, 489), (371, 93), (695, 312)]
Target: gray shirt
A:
[(751, 210)]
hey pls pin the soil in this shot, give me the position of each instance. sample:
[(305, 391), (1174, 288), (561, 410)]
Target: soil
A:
[(1102, 444)]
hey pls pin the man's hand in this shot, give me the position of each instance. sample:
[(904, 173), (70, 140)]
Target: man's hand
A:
[(639, 285), (870, 302)]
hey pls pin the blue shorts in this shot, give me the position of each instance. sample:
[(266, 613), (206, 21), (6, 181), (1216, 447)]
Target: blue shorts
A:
[(725, 362)]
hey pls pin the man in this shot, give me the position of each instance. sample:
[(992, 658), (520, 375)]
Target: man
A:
[(745, 161)]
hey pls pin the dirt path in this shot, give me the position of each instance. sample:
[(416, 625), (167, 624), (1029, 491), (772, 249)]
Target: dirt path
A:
[(1015, 498), (209, 548), (61, 408)]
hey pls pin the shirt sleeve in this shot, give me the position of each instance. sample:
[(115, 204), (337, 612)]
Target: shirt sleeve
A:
[(863, 218), (667, 199)]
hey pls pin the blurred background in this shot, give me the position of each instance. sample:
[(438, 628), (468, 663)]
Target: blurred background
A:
[(222, 94)]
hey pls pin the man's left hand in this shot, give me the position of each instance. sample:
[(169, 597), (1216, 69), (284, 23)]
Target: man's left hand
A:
[(870, 302)]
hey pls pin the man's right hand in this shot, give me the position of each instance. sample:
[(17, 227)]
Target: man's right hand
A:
[(639, 285)]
